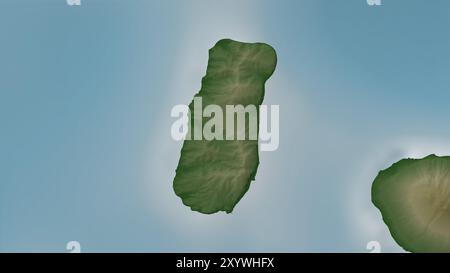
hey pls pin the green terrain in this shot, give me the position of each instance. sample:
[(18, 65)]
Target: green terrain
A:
[(213, 175), (413, 196)]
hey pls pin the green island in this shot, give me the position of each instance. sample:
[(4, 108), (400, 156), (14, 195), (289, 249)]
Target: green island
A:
[(213, 175), (413, 196)]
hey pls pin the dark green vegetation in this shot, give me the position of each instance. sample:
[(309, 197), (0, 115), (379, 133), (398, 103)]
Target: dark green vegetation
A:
[(413, 196), (214, 175)]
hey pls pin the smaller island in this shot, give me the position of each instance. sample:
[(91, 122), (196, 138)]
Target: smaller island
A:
[(413, 196)]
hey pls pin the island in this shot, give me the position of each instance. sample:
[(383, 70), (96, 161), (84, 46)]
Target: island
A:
[(413, 196), (213, 174)]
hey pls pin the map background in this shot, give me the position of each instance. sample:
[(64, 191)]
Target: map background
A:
[(85, 99)]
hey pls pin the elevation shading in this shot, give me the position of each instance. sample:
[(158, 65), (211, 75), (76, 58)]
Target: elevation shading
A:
[(413, 196), (214, 174)]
